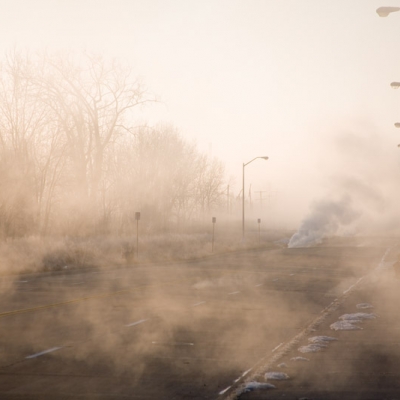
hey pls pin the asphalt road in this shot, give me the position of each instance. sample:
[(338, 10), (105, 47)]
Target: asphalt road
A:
[(173, 331)]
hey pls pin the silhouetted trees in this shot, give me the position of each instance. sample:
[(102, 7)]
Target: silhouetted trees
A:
[(72, 160)]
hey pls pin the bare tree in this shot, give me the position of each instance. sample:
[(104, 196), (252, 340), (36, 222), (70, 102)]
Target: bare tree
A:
[(210, 183), (72, 160), (29, 140), (167, 177), (93, 100)]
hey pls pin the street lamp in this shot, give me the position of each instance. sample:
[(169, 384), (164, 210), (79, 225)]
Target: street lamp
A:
[(385, 11), (396, 85), (244, 164)]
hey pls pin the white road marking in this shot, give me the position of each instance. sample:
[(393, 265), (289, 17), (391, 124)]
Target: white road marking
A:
[(260, 284), (175, 343), (191, 358), (310, 328), (276, 348), (242, 376), (197, 304), (22, 281), (225, 390), (246, 372), (78, 283), (44, 352), (352, 286), (137, 322), (234, 293)]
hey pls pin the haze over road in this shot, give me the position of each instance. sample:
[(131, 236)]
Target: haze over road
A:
[(167, 331)]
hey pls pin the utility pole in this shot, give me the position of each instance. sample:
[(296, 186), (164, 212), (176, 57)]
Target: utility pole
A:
[(137, 218), (261, 196), (213, 220), (250, 196), (227, 200), (243, 193)]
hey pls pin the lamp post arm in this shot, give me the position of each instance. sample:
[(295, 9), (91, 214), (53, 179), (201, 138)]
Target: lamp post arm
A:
[(385, 11), (250, 161), (264, 158)]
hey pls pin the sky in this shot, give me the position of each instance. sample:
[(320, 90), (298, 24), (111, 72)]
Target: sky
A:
[(306, 83)]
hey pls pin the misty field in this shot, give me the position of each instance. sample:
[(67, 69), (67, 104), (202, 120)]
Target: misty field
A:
[(34, 254)]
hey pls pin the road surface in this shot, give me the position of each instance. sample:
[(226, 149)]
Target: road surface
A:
[(189, 330)]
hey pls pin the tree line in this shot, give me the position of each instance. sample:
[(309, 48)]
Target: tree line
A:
[(74, 161)]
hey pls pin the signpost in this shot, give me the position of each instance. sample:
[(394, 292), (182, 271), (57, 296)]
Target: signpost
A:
[(259, 223), (137, 218), (214, 220)]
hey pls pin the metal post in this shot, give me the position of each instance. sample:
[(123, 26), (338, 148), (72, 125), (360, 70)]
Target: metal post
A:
[(243, 203), (137, 217), (214, 220), (227, 200)]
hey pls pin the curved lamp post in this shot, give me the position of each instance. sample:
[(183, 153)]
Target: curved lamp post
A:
[(244, 164), (396, 85), (385, 11)]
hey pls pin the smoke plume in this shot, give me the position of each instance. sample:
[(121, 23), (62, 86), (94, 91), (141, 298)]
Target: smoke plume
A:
[(327, 218)]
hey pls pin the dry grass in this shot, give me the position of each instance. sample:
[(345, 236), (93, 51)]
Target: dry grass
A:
[(55, 253)]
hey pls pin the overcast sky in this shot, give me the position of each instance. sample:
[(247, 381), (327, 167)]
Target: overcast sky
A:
[(289, 79)]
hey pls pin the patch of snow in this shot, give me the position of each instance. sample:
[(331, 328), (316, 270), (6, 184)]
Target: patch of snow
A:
[(282, 365), (364, 305), (344, 326), (276, 376), (312, 348), (357, 317), (299, 359), (257, 386), (321, 339)]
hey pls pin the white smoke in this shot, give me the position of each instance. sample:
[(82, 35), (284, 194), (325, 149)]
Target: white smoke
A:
[(327, 218)]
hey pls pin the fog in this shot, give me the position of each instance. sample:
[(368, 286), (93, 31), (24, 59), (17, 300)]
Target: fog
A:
[(164, 325), (242, 80), (125, 128)]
